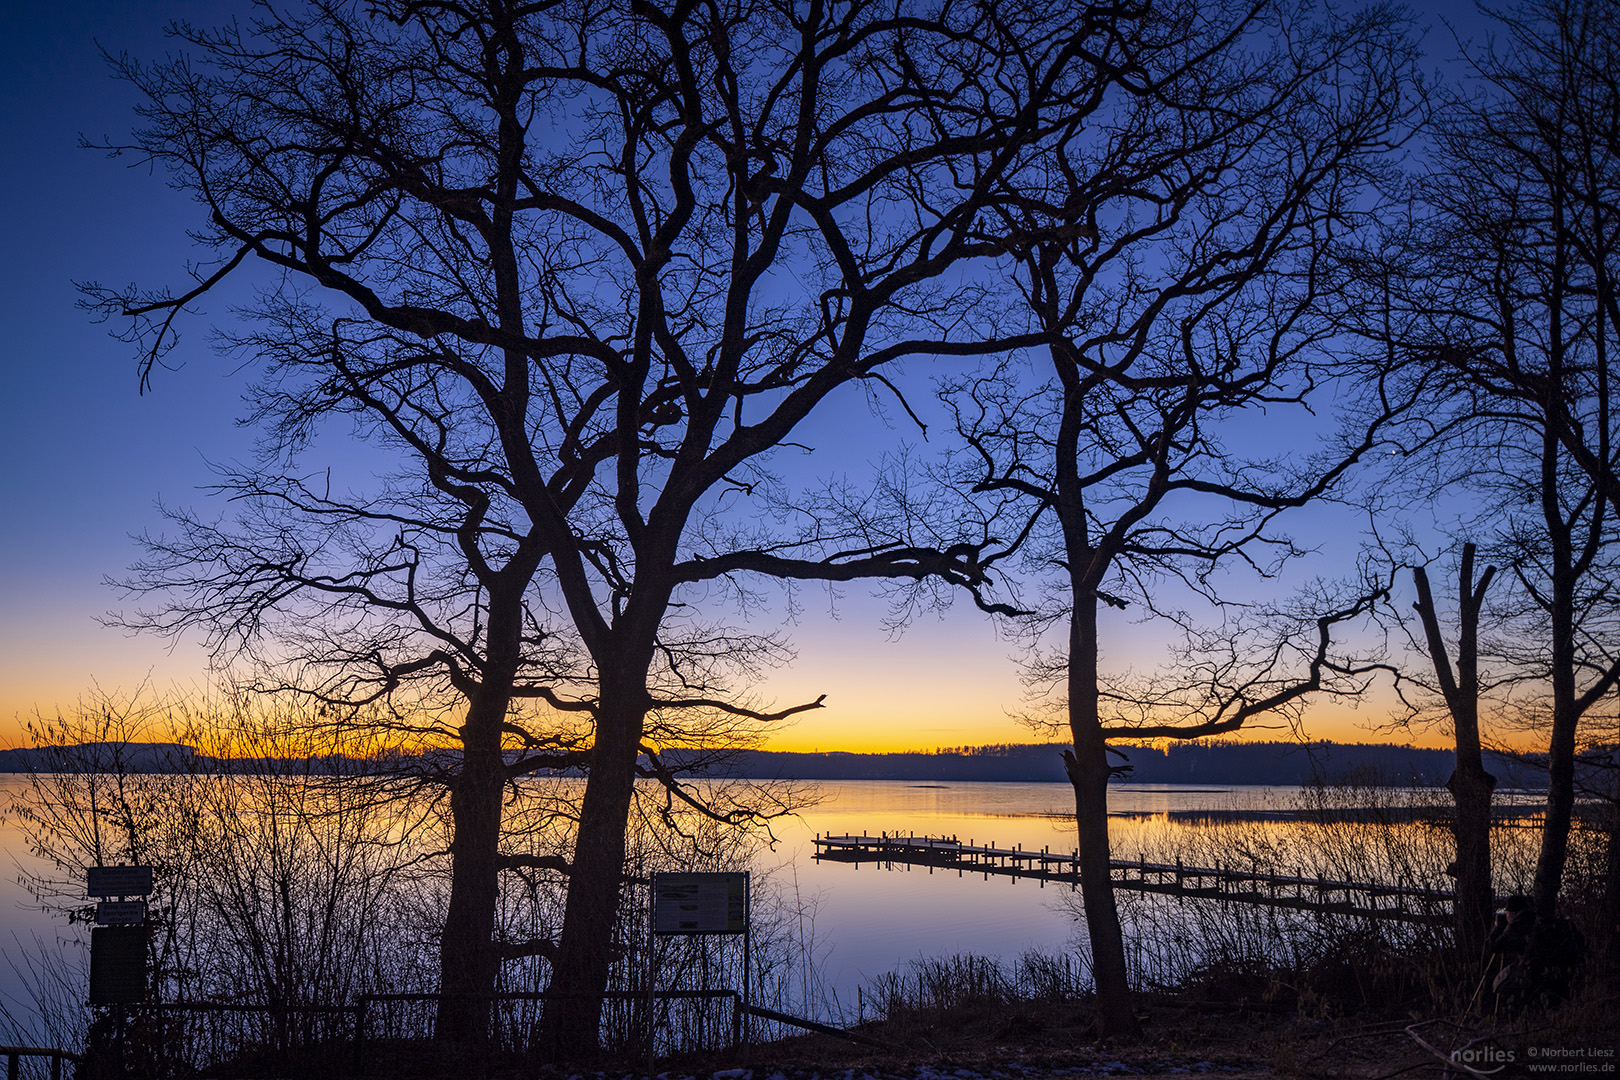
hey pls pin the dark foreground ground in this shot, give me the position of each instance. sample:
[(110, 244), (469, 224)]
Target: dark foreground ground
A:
[(1238, 1040)]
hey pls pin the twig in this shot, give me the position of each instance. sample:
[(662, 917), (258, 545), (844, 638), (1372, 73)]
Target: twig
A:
[(1450, 1059), (1386, 1027), (1403, 1069), (1477, 988)]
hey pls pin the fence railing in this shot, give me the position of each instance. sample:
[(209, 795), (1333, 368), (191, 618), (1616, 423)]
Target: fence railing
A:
[(331, 1040), (632, 1020), (15, 1054)]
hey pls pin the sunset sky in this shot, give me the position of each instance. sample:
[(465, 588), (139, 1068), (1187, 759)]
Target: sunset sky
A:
[(84, 458)]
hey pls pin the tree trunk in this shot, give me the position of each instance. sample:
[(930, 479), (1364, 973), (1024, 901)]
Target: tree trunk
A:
[(1087, 767), (579, 975), (1470, 785), (468, 963), (1565, 709), (1560, 812)]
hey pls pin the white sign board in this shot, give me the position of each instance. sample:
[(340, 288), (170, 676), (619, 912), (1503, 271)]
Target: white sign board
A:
[(700, 903), (121, 912), (119, 880)]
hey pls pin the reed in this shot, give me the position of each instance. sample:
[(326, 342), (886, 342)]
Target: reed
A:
[(933, 987), (285, 883)]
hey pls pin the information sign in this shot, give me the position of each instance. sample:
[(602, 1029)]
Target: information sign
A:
[(117, 965), (119, 880), (697, 903), (121, 912)]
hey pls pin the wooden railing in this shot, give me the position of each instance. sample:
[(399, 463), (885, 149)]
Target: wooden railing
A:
[(1234, 884)]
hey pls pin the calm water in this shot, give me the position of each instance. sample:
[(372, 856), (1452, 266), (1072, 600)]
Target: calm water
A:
[(25, 931), (866, 920), (860, 921)]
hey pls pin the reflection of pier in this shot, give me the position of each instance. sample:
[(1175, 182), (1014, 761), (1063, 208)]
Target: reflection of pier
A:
[(1226, 883)]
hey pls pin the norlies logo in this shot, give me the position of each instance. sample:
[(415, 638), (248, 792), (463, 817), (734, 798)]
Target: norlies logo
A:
[(1483, 1059)]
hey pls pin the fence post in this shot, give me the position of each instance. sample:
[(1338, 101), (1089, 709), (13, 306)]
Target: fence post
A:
[(360, 1034)]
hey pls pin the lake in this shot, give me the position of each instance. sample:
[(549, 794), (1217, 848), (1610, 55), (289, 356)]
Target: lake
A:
[(859, 922), (869, 920)]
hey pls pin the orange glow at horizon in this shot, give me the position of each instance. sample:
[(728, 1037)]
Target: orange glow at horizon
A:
[(944, 683), (933, 725), (891, 735)]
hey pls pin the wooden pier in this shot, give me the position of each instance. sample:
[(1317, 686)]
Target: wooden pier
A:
[(1230, 884)]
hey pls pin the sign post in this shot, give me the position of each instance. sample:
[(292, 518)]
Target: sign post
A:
[(120, 880), (120, 912), (118, 945), (118, 965), (692, 903), (701, 903)]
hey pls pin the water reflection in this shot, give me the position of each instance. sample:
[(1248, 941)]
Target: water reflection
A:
[(857, 922), (868, 920)]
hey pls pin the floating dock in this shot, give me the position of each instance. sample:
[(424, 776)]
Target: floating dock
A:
[(1229, 884)]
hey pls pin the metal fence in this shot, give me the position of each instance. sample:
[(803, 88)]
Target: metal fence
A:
[(42, 1059), (633, 1022), (187, 1037)]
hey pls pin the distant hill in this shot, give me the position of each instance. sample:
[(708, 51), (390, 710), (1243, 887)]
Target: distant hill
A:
[(1271, 763), (161, 758), (102, 757)]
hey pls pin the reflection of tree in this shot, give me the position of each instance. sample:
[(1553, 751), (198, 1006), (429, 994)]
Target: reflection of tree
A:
[(577, 271), (1188, 299)]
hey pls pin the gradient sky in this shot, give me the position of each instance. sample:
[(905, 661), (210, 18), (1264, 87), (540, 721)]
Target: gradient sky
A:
[(84, 458)]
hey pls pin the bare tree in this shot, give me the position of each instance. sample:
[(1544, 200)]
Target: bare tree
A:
[(580, 267), (1470, 785), (1501, 295), (1188, 297)]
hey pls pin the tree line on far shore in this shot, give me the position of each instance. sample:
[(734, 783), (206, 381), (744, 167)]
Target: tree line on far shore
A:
[(1263, 763)]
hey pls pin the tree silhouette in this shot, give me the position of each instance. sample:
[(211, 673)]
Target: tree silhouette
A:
[(579, 268), (1192, 293), (1499, 294), (1470, 785)]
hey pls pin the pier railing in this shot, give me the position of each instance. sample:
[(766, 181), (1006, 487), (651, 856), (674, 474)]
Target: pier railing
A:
[(1231, 884)]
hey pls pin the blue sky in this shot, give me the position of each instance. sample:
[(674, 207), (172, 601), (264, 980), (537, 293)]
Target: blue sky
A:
[(86, 457)]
